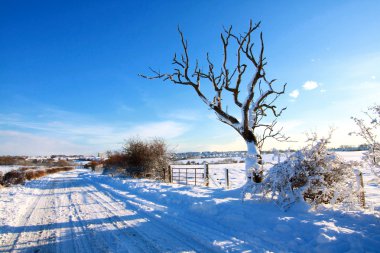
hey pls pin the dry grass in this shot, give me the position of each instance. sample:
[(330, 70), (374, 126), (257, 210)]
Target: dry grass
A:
[(29, 175), (33, 174), (27, 168), (58, 169)]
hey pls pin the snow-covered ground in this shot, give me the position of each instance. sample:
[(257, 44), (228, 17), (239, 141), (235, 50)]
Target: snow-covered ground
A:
[(5, 168), (78, 211)]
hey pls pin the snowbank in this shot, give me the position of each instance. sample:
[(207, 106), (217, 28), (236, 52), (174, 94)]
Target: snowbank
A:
[(260, 226), (101, 210)]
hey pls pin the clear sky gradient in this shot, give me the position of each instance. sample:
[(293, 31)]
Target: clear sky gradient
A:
[(69, 71)]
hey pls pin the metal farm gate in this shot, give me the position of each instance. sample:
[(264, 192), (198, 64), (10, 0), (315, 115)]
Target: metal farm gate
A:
[(195, 175), (188, 175)]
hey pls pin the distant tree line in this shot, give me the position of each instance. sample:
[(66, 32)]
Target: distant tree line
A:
[(24, 161), (362, 147)]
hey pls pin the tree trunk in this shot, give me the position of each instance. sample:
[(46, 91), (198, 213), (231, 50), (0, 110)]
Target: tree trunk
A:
[(253, 170)]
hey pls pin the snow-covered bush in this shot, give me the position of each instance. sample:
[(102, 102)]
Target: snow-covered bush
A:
[(313, 174), (369, 132)]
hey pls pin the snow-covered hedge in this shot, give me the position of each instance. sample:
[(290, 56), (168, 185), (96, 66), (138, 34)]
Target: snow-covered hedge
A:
[(313, 174)]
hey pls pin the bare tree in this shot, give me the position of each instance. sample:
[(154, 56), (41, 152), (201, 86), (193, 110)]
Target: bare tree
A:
[(259, 98)]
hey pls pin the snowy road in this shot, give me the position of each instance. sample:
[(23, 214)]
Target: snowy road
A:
[(74, 212), (78, 211)]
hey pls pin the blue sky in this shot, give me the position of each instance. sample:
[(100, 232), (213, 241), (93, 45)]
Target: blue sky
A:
[(69, 71)]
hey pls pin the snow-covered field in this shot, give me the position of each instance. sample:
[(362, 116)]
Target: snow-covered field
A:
[(5, 168), (78, 211)]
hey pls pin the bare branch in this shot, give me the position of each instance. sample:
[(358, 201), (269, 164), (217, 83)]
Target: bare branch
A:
[(260, 96)]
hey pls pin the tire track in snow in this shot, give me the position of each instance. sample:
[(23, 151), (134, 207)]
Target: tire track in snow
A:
[(47, 235), (123, 230), (161, 234), (196, 230), (85, 214), (27, 218), (84, 244), (172, 233), (102, 239)]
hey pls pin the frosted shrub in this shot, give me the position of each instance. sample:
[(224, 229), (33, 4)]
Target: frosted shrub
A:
[(313, 174), (369, 132)]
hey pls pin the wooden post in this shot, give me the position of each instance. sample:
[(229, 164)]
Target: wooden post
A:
[(186, 176), (361, 192), (195, 176), (227, 177), (206, 175), (170, 174)]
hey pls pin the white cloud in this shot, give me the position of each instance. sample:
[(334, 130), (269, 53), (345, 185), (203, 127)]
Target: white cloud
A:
[(19, 143), (310, 85), (294, 93), (19, 135), (183, 114), (166, 129)]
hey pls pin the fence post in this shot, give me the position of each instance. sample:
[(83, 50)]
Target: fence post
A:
[(170, 174), (227, 177), (361, 192), (206, 175), (195, 176), (186, 176)]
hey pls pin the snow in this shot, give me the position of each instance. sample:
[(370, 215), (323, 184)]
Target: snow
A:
[(251, 164), (80, 211), (5, 168)]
